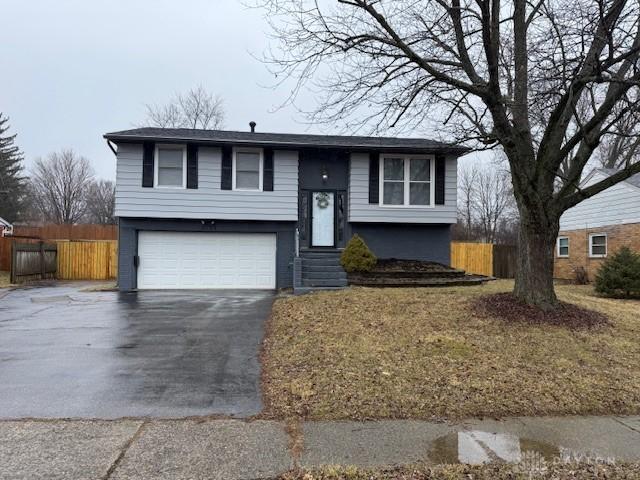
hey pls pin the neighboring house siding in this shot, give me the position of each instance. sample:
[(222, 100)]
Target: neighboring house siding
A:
[(208, 201), (410, 242), (619, 204), (128, 245), (360, 210)]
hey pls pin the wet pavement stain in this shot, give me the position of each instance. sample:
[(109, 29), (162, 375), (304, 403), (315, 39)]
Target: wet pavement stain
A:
[(69, 353), (476, 447), (51, 299)]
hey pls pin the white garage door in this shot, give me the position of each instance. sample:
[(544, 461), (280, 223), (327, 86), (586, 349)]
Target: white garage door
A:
[(206, 260)]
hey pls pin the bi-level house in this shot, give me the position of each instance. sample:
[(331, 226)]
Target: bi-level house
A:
[(248, 210)]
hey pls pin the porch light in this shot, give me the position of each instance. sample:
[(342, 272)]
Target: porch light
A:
[(325, 175)]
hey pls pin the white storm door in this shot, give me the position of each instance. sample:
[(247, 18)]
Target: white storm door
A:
[(322, 221)]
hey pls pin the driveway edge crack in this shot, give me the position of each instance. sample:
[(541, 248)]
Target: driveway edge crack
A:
[(124, 450)]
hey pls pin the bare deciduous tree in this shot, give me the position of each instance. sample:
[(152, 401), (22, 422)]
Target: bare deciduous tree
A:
[(486, 206), (466, 196), (195, 109), (494, 203), (620, 146), (59, 185), (544, 80), (100, 202)]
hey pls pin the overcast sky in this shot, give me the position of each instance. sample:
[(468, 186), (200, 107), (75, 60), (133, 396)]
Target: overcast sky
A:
[(73, 70)]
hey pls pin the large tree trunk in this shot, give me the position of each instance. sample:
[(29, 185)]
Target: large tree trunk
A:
[(534, 272)]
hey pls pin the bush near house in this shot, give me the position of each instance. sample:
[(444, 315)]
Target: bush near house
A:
[(619, 276), (357, 257)]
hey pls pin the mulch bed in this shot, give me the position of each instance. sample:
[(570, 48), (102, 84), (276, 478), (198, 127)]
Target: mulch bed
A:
[(396, 265), (506, 307)]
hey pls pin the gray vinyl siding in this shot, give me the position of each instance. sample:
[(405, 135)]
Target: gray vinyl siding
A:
[(360, 210), (617, 205), (130, 227), (208, 201), (408, 242)]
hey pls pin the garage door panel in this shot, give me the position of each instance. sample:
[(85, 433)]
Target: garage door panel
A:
[(206, 260)]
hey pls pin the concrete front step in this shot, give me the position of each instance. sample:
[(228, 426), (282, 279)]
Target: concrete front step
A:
[(303, 290), (322, 268), (325, 283), (321, 262), (306, 275)]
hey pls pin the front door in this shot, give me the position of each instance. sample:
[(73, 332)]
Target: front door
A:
[(322, 219)]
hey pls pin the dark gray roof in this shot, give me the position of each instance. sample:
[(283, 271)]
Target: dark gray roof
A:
[(633, 180), (284, 140)]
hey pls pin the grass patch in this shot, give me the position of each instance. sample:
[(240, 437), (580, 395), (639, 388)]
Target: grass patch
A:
[(5, 279), (367, 353), (103, 287), (555, 471)]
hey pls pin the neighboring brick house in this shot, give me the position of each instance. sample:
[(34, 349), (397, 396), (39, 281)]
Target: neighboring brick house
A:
[(598, 226), (5, 228)]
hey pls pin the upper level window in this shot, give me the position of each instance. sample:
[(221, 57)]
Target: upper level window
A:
[(597, 245), (563, 247), (407, 180), (170, 165), (247, 169)]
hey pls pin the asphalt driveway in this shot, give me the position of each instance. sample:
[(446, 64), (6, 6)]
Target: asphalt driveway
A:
[(67, 353)]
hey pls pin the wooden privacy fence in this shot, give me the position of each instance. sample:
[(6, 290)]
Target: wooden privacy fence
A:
[(93, 260), (6, 244), (504, 261), (69, 232), (473, 257), (32, 261), (5, 253), (75, 260), (484, 259)]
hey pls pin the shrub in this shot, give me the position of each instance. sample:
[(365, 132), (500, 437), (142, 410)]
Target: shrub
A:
[(357, 257), (619, 275), (582, 278)]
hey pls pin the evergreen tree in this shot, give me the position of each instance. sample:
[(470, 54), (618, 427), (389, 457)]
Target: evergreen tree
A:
[(619, 275), (12, 181)]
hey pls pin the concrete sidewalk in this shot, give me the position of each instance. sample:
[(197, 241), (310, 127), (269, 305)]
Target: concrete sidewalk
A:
[(235, 449)]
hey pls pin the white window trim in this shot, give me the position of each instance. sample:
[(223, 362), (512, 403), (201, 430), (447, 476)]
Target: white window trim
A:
[(406, 159), (237, 150), (568, 247), (606, 245), (156, 163)]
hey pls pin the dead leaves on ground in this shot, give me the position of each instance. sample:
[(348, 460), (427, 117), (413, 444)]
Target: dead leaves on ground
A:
[(429, 353)]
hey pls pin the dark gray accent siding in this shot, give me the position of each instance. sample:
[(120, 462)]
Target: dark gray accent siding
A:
[(128, 245), (127, 250), (408, 242), (312, 162)]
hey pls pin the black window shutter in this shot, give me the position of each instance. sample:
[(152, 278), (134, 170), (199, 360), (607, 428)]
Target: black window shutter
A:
[(148, 151), (267, 170), (227, 168), (374, 178), (192, 166), (440, 179)]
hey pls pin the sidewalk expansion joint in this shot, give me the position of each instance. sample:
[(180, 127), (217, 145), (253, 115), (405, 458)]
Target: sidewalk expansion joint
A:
[(296, 440), (124, 450), (616, 419)]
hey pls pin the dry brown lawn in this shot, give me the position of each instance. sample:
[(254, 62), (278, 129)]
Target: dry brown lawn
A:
[(4, 279), (367, 353), (554, 471)]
